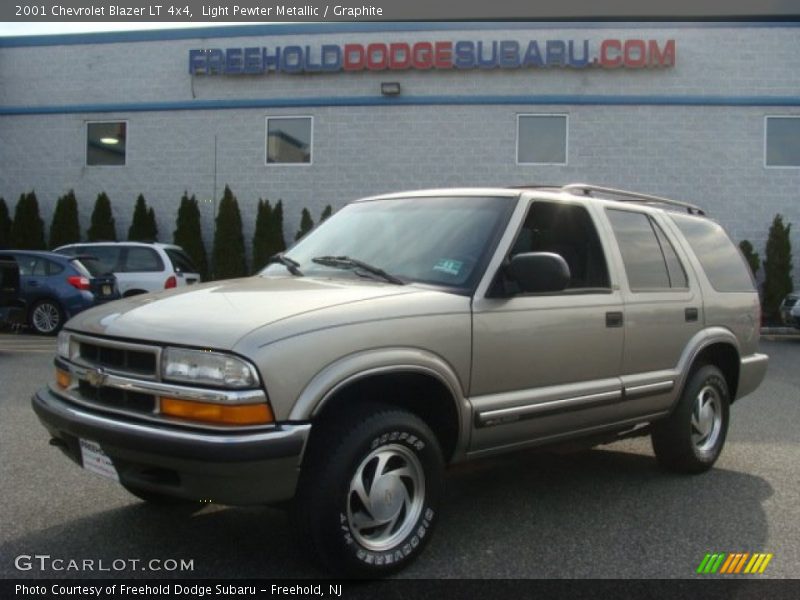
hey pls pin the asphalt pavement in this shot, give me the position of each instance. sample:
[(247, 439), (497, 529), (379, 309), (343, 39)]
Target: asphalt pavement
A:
[(608, 512)]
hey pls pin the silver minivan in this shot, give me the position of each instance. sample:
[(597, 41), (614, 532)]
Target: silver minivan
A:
[(140, 267)]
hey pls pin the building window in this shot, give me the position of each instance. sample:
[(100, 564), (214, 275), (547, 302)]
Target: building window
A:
[(106, 143), (542, 139), (782, 141), (289, 140)]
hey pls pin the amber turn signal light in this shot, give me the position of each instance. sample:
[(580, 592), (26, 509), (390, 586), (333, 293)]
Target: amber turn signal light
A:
[(63, 379), (223, 414)]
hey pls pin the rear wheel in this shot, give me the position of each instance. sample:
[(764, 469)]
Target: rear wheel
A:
[(691, 439), (369, 494), (46, 317)]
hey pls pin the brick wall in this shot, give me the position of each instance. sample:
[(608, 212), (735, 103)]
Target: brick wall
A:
[(710, 155)]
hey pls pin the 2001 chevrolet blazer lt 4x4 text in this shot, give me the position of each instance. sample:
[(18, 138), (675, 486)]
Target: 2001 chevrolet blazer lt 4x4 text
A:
[(408, 332)]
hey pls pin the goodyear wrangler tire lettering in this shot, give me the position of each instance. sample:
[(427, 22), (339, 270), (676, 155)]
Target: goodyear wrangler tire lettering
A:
[(384, 479)]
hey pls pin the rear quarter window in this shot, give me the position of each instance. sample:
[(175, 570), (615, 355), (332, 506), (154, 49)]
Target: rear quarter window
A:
[(721, 260)]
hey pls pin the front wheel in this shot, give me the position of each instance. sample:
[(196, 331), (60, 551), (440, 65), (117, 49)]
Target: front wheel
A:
[(691, 439), (46, 317), (369, 493)]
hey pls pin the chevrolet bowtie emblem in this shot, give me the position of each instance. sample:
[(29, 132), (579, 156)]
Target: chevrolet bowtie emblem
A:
[(96, 377)]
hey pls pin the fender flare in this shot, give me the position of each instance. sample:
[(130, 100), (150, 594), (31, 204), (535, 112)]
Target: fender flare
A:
[(354, 367), (699, 342)]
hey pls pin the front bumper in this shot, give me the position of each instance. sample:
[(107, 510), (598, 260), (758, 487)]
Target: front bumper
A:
[(237, 468)]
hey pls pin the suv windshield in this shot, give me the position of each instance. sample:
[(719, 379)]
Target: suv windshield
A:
[(433, 240)]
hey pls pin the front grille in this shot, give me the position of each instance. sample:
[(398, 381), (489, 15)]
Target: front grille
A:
[(119, 359), (118, 398)]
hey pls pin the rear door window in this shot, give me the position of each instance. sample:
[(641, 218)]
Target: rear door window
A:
[(143, 260), (644, 261), (181, 261), (27, 264)]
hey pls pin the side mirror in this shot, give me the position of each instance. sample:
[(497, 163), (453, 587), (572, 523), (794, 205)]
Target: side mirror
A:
[(538, 272)]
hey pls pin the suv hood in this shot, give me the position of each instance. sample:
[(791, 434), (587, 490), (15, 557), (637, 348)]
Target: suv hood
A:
[(217, 314)]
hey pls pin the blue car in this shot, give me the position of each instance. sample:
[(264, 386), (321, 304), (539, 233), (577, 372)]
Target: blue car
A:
[(55, 287)]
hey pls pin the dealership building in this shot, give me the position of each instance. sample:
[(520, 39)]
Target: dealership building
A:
[(317, 114)]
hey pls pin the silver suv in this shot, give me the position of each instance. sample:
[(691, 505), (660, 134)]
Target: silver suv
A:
[(140, 267), (409, 332)]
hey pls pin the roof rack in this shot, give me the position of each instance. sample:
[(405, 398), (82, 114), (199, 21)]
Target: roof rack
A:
[(627, 196)]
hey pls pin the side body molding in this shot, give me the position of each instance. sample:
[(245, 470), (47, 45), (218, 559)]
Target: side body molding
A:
[(354, 367)]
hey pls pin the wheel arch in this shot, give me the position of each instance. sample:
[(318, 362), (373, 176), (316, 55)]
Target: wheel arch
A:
[(715, 346), (415, 380)]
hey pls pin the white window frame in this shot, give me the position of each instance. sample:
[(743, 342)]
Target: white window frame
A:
[(767, 117), (86, 142), (266, 141), (566, 139)]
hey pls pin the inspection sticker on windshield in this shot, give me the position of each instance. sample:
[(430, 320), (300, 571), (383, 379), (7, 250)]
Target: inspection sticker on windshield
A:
[(97, 461), (449, 266)]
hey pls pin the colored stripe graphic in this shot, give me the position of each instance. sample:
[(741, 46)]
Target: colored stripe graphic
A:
[(734, 563)]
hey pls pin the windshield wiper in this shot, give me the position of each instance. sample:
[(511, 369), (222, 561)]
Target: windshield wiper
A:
[(345, 262), (290, 264)]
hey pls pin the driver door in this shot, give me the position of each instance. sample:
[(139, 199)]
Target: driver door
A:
[(548, 364)]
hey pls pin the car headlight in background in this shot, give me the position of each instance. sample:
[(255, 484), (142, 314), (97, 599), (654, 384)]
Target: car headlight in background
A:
[(207, 367)]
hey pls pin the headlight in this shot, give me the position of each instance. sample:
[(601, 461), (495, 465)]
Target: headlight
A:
[(63, 345), (206, 367)]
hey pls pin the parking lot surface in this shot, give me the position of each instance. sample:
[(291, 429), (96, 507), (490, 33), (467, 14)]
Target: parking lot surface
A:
[(608, 512)]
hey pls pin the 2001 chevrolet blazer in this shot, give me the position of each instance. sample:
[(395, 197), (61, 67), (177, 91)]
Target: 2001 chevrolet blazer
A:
[(408, 332)]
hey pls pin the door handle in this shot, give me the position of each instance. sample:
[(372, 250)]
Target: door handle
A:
[(33, 284), (691, 314), (614, 319)]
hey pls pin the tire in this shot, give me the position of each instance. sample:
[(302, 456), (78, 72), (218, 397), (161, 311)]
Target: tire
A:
[(368, 496), (46, 317), (691, 439), (155, 498)]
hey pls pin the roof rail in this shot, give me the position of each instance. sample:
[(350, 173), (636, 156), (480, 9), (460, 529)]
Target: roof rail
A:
[(627, 196)]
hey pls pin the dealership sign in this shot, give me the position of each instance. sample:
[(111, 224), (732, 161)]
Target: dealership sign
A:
[(404, 56)]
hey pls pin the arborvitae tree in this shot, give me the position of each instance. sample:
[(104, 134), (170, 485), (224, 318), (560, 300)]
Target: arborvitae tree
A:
[(777, 267), (143, 225), (228, 253), (306, 224), (277, 243), (261, 236), (188, 233), (64, 228), (152, 226), (326, 212), (750, 256), (102, 228), (27, 230), (5, 225)]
